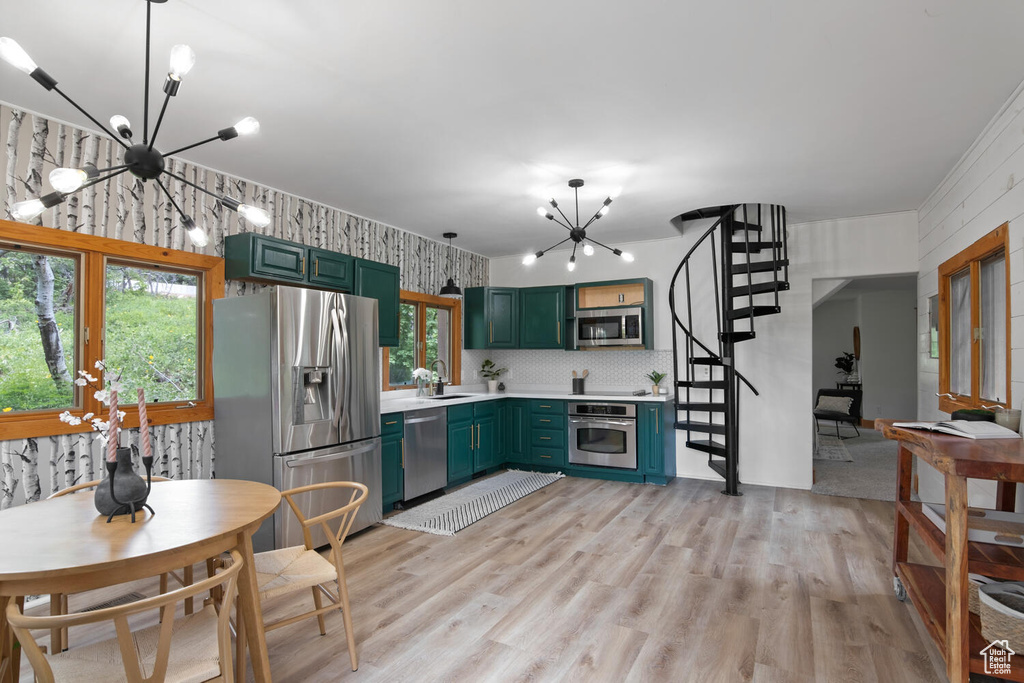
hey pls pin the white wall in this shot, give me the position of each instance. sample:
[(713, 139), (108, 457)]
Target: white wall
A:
[(833, 323), (983, 191), (776, 434), (888, 324)]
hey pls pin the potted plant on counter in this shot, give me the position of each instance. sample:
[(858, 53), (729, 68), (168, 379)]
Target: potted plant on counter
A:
[(655, 378), (491, 373)]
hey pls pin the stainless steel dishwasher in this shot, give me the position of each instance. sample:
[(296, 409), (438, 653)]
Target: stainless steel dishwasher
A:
[(426, 451)]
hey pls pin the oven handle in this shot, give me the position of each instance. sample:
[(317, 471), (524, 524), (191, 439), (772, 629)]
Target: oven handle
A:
[(618, 423)]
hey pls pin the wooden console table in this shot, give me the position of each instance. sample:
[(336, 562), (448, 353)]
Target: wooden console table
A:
[(940, 593)]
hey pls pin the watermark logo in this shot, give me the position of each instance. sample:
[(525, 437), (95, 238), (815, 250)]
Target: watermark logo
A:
[(997, 655)]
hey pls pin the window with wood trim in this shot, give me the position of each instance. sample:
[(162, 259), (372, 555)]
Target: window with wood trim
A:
[(68, 300), (974, 325), (429, 328)]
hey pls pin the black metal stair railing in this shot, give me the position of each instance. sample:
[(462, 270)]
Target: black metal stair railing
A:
[(762, 229)]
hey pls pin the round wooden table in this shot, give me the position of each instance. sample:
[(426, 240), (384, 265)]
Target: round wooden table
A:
[(64, 546)]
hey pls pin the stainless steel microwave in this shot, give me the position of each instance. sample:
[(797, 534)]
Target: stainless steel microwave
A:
[(610, 327)]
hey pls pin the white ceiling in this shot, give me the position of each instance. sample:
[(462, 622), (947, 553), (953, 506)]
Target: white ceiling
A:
[(461, 115)]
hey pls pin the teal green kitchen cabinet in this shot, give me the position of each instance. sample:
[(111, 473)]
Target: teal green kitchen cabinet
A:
[(381, 282), (266, 259), (548, 441), (491, 318), (392, 459), (331, 269), (485, 418), (461, 442), (655, 443), (517, 430), (541, 318)]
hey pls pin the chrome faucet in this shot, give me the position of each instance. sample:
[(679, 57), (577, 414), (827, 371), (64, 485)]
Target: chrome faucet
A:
[(441, 378)]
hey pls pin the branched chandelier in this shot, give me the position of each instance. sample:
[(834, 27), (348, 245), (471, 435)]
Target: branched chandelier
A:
[(577, 234), (142, 160)]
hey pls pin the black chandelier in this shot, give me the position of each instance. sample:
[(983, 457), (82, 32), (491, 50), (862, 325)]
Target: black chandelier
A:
[(577, 234), (142, 160)]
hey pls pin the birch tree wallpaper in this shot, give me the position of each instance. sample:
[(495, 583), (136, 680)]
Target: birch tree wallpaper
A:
[(128, 209)]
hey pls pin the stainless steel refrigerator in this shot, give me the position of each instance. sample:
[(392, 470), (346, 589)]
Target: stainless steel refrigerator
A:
[(295, 375)]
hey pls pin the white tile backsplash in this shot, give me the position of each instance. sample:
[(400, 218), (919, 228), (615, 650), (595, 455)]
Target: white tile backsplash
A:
[(552, 368)]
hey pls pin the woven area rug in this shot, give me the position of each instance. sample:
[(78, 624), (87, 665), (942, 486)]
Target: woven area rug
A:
[(457, 510), (831, 448)]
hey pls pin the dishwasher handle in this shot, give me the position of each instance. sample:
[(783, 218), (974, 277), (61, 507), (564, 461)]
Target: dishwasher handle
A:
[(418, 420), (307, 460)]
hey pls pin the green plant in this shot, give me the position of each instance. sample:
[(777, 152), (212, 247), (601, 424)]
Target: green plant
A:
[(487, 369), (655, 376), (844, 363)]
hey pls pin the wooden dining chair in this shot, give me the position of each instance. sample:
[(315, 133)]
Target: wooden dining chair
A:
[(194, 648), (59, 601), (288, 570)]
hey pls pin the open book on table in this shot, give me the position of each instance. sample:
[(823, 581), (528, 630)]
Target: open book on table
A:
[(965, 428)]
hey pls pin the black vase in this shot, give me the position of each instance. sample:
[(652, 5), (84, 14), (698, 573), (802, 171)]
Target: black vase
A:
[(128, 487)]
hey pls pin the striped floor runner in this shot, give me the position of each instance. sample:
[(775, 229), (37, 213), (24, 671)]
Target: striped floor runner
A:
[(457, 510)]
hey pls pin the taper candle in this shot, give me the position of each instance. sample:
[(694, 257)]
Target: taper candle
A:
[(147, 448), (112, 427)]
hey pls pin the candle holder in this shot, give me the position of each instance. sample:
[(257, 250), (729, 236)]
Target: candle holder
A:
[(124, 491)]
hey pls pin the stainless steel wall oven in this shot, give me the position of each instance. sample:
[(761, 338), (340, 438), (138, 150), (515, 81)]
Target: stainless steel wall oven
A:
[(603, 435)]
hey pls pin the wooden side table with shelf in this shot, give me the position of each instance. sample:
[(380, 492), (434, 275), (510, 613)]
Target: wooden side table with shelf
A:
[(940, 593)]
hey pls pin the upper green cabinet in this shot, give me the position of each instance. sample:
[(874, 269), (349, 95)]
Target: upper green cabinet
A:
[(258, 257), (331, 269), (491, 318), (381, 282), (250, 256), (541, 317)]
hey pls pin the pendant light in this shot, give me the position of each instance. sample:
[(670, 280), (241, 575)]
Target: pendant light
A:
[(450, 290)]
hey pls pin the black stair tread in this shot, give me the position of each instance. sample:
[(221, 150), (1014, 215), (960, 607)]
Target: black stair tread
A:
[(706, 360), (707, 212), (703, 383), (755, 311), (702, 407), (759, 288), (698, 426), (743, 247), (758, 266), (736, 336), (740, 225), (708, 446), (718, 466)]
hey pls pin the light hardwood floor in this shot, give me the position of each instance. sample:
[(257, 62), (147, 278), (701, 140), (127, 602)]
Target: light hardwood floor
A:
[(602, 581)]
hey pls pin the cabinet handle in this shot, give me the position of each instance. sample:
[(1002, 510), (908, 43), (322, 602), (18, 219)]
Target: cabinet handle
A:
[(545, 438), (544, 420), (545, 406), (491, 328), (546, 456), (559, 323), (403, 453), (302, 265), (471, 437), (478, 437), (316, 268), (393, 422), (656, 420)]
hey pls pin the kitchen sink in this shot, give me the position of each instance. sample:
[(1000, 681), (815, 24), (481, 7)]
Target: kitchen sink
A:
[(447, 397)]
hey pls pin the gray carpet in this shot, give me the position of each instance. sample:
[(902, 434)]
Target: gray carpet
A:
[(871, 473)]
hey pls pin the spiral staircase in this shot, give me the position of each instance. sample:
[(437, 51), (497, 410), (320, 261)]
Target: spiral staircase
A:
[(740, 264)]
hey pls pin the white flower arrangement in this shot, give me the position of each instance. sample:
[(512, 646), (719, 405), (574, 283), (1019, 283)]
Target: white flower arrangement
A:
[(422, 374), (112, 381)]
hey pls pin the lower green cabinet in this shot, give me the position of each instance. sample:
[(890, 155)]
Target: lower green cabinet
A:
[(392, 459), (485, 418), (381, 282), (517, 430), (655, 443)]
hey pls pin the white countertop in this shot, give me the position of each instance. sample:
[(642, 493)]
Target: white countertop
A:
[(399, 405)]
